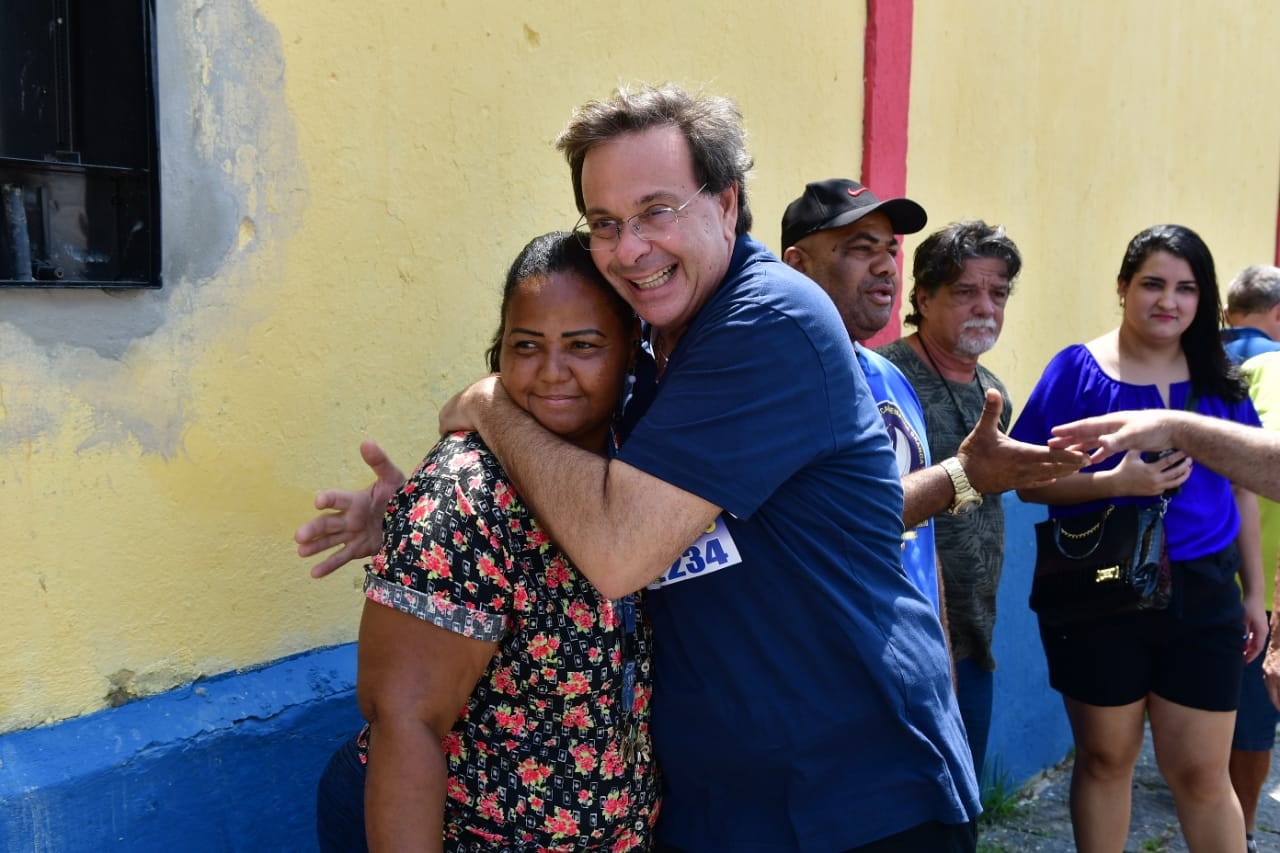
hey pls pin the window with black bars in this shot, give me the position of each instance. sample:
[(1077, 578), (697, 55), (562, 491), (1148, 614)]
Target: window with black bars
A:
[(79, 158)]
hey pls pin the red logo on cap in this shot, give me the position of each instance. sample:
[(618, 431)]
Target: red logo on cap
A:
[(855, 193)]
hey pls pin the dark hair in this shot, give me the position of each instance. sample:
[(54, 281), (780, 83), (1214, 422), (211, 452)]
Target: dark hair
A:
[(1212, 372), (1254, 290), (711, 124), (940, 257), (551, 253)]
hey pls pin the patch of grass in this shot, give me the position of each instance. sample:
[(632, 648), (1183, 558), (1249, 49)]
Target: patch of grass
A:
[(1000, 794)]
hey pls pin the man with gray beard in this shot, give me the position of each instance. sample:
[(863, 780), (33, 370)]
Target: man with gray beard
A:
[(963, 278)]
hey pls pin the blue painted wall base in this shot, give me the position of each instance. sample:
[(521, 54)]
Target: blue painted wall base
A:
[(225, 764), (231, 763), (1029, 729)]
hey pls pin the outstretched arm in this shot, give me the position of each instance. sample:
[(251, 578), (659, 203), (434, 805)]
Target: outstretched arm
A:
[(1132, 477), (355, 522), (993, 462), (1245, 455), (621, 527)]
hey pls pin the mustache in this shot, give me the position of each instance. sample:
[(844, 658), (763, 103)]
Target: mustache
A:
[(979, 324)]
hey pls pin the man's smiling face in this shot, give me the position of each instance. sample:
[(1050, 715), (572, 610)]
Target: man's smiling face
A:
[(666, 280)]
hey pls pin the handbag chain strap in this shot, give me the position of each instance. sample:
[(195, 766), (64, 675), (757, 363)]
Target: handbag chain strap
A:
[(1062, 533), (1085, 534)]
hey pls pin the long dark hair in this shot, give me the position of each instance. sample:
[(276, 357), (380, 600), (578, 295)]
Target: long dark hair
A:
[(558, 251), (1212, 372)]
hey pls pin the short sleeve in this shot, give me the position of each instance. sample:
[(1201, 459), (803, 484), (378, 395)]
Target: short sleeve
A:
[(1053, 400), (446, 556), (1245, 412)]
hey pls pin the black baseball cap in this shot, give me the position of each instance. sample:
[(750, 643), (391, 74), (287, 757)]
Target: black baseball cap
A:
[(837, 202)]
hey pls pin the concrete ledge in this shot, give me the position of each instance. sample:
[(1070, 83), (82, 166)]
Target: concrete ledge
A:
[(226, 763)]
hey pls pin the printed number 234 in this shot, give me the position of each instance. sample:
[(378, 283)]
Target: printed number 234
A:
[(694, 560)]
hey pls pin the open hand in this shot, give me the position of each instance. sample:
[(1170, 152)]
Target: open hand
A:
[(1105, 435), (355, 522), (996, 463)]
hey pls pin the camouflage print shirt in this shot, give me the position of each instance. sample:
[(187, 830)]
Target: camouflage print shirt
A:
[(970, 547)]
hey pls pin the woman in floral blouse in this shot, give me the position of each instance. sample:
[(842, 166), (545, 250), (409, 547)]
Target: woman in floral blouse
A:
[(470, 606)]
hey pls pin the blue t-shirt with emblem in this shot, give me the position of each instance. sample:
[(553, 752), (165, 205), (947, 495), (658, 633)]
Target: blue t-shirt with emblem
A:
[(903, 417)]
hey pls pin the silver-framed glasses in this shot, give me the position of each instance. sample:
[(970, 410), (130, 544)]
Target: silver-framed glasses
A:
[(655, 223)]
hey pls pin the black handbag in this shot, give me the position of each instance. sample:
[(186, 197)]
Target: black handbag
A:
[(1101, 564)]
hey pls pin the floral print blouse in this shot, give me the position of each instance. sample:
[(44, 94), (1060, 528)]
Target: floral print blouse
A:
[(548, 754)]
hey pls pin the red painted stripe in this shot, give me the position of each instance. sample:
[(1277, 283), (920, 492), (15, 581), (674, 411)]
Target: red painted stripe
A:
[(886, 102)]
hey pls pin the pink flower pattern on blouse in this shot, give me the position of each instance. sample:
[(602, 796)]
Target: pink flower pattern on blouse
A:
[(536, 756)]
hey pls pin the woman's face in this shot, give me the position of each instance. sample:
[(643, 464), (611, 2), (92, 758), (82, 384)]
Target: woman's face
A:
[(1161, 299), (565, 353)]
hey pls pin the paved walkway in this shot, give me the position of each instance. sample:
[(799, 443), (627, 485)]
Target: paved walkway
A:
[(1041, 823)]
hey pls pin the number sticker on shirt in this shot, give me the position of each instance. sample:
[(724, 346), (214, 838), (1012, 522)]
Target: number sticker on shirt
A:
[(714, 550)]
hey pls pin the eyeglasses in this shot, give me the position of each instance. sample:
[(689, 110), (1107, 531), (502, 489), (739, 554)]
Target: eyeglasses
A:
[(603, 235)]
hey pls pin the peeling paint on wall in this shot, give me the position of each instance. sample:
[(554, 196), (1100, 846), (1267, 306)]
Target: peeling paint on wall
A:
[(110, 538), (226, 138)]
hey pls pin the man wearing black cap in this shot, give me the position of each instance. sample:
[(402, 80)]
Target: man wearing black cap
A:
[(843, 237)]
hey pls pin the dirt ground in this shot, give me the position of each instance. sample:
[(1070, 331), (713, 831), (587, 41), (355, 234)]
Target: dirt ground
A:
[(1040, 820)]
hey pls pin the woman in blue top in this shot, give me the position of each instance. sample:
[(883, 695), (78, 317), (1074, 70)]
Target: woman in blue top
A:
[(1180, 666)]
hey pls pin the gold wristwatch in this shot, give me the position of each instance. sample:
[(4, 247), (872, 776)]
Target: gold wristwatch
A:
[(967, 499)]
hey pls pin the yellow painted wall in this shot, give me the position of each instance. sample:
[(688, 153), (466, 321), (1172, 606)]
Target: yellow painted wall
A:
[(1078, 124), (343, 187)]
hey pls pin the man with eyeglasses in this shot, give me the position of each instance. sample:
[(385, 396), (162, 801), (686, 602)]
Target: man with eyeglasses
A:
[(963, 276), (803, 690), (803, 693)]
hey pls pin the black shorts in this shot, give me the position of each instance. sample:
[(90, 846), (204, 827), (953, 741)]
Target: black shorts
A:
[(1176, 653)]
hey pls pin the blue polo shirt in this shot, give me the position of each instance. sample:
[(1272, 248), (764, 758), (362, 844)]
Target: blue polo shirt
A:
[(802, 698)]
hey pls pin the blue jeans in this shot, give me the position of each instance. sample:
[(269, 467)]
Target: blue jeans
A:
[(1256, 717), (973, 691), (340, 803)]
